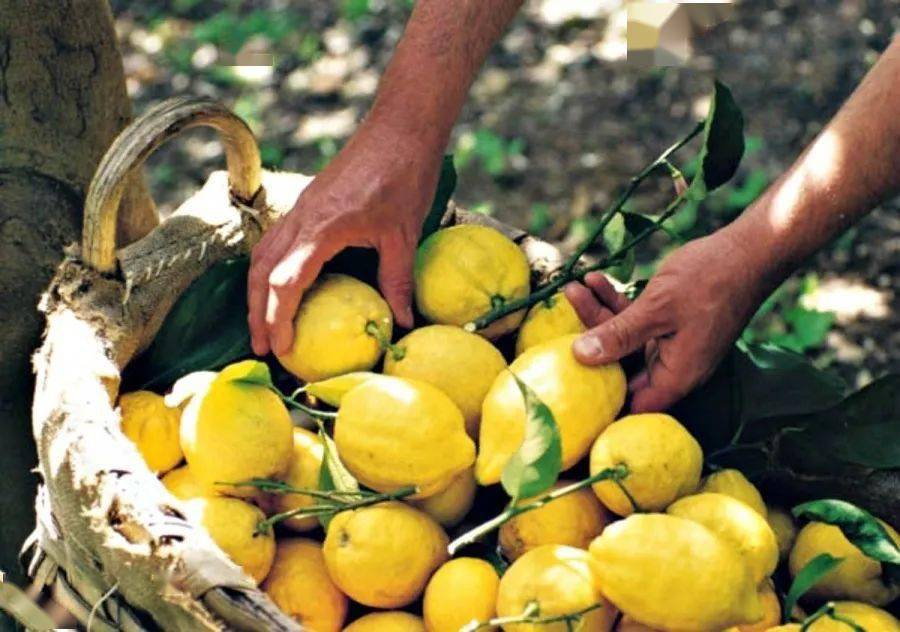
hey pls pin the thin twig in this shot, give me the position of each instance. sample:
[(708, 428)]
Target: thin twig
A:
[(530, 616), (828, 610)]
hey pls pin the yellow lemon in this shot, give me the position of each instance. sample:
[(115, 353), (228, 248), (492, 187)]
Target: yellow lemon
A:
[(182, 484), (771, 611), (460, 592), (153, 428), (547, 320), (553, 581), (392, 621), (462, 272), (450, 506), (737, 523), (663, 461), (574, 519), (234, 432), (461, 364), (857, 577), (299, 584), (233, 526), (337, 329), (383, 555), (332, 390), (865, 616), (782, 524), (673, 573), (393, 432), (733, 483), (584, 400), (302, 473)]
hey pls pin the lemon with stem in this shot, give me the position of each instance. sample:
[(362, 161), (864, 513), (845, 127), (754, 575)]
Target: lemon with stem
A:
[(549, 319)]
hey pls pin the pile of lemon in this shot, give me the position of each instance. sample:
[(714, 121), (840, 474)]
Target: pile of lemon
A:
[(662, 549)]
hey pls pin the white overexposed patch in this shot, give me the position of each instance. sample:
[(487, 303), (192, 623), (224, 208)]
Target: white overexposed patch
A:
[(848, 300)]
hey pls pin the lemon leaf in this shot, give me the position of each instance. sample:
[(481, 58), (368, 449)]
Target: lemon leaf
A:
[(333, 474), (535, 466), (723, 144), (809, 576), (248, 372), (332, 390)]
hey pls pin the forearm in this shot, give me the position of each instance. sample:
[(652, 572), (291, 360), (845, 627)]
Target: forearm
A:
[(849, 169), (425, 85)]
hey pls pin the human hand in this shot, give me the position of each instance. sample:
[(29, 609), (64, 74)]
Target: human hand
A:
[(374, 194), (686, 319)]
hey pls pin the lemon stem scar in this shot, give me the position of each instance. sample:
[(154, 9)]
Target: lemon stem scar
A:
[(617, 473), (531, 615), (333, 502), (828, 611), (397, 352)]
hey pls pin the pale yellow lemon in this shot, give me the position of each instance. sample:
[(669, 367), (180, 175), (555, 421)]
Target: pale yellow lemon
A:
[(391, 621), (182, 484), (673, 573), (733, 483), (330, 329), (462, 272), (299, 584), (153, 427), (584, 400), (233, 525), (461, 364), (549, 319), (302, 473), (857, 577), (663, 461), (574, 520), (771, 606), (785, 529), (393, 432), (460, 592), (383, 555), (737, 523), (450, 506)]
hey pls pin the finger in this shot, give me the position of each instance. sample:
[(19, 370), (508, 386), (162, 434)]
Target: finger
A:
[(286, 284), (620, 335), (586, 305), (606, 291), (395, 264), (263, 258), (669, 378)]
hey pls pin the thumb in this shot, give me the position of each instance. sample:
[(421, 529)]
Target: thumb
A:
[(395, 264), (619, 336)]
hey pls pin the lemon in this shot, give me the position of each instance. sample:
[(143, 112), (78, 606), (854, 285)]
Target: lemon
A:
[(393, 432), (574, 519), (584, 400), (782, 524), (663, 461), (460, 592), (332, 390), (299, 584), (450, 506), (673, 573), (461, 364), (153, 428), (393, 621), (559, 581), (383, 555), (302, 473), (330, 336), (462, 272), (737, 523), (771, 611), (549, 319), (733, 483), (182, 484), (234, 432), (232, 524), (867, 617), (857, 577)]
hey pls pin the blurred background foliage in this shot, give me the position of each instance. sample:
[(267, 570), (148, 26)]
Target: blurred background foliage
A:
[(556, 125)]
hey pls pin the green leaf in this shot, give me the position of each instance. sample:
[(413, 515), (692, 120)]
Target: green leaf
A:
[(205, 330), (723, 143), (615, 234), (248, 372), (333, 475), (535, 466), (635, 224), (857, 525), (444, 191), (809, 576)]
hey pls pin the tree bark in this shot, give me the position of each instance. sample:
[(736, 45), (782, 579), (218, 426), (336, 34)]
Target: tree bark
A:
[(62, 101)]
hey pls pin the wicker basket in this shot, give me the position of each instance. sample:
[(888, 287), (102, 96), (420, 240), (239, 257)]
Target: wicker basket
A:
[(111, 543)]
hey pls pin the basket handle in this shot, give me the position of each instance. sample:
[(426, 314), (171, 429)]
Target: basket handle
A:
[(140, 139)]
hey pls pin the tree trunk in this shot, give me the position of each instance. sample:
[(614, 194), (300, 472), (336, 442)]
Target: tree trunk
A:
[(62, 101)]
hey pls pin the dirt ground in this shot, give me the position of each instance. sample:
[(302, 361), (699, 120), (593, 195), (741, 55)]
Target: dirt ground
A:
[(557, 122)]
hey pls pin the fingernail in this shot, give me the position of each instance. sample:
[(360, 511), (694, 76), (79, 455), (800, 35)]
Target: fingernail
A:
[(588, 347)]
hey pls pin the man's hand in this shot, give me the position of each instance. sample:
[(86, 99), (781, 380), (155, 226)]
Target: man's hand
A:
[(685, 320), (372, 195)]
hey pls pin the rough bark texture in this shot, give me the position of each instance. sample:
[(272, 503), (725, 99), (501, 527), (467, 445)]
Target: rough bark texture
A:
[(62, 101)]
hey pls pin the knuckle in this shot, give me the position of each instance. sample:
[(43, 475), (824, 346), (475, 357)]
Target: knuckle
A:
[(619, 334)]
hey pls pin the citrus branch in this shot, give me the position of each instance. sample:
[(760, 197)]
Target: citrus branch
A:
[(570, 271), (384, 342), (618, 473), (530, 615), (312, 412)]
